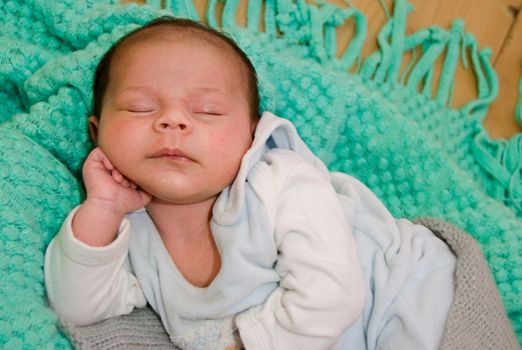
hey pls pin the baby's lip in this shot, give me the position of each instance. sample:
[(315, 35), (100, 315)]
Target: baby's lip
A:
[(172, 153)]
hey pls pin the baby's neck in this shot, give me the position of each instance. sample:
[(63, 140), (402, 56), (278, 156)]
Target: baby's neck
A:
[(185, 231), (181, 221)]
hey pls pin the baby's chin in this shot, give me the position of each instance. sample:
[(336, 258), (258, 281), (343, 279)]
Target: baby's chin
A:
[(178, 200)]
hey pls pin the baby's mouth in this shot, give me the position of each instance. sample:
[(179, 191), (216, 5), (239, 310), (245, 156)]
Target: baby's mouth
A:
[(173, 154)]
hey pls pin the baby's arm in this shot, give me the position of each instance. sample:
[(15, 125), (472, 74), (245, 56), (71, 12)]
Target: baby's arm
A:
[(88, 284), (321, 290), (85, 275)]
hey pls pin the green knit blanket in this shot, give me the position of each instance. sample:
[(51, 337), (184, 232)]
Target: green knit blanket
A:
[(394, 129)]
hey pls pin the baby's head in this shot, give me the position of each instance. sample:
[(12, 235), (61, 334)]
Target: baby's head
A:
[(175, 109), (166, 26)]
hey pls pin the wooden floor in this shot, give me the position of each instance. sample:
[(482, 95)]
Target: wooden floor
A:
[(496, 24)]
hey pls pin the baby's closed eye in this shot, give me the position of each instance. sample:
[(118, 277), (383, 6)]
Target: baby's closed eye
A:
[(207, 109), (140, 109), (133, 102)]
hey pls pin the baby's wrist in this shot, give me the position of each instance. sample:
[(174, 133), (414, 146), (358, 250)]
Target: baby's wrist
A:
[(96, 222), (104, 206)]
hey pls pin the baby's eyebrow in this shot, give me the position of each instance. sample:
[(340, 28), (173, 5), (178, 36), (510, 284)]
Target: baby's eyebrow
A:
[(207, 90), (214, 93), (138, 88)]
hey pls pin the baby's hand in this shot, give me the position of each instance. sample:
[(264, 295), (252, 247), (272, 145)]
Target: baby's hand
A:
[(109, 197), (107, 187)]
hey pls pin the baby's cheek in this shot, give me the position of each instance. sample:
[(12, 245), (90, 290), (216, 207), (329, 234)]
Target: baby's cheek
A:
[(120, 154)]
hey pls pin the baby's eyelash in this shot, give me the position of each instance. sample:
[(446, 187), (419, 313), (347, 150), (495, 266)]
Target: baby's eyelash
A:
[(205, 110), (209, 113), (134, 110), (139, 109)]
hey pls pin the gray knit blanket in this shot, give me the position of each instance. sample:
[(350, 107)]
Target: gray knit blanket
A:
[(477, 318)]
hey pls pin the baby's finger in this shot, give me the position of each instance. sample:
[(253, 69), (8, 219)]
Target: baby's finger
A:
[(107, 163), (100, 157), (117, 176), (125, 183)]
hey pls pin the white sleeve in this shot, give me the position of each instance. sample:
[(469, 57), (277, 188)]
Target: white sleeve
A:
[(322, 290), (88, 284)]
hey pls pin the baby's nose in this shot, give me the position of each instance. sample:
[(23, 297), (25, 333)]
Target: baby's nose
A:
[(173, 118)]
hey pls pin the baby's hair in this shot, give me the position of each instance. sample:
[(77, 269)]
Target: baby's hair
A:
[(101, 75)]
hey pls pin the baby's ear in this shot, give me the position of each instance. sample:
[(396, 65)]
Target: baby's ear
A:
[(93, 128)]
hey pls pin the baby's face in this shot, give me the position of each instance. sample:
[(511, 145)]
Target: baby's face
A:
[(175, 117)]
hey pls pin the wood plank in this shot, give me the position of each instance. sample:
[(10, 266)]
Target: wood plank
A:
[(500, 121)]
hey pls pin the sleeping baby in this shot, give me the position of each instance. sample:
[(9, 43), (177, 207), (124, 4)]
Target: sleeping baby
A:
[(221, 218)]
